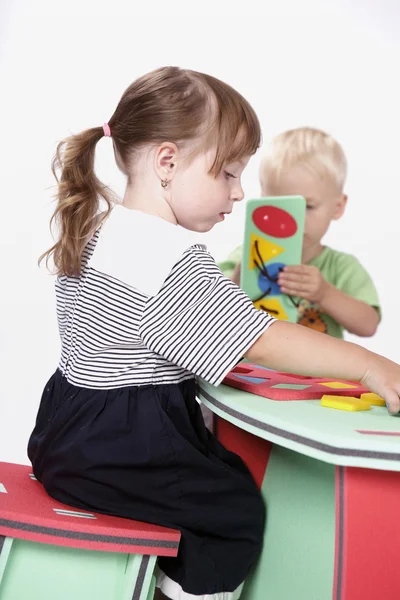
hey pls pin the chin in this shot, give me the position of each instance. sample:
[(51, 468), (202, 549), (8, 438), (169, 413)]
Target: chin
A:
[(199, 226), (203, 227)]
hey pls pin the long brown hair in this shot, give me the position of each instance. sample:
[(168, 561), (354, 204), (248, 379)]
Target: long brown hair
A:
[(169, 104)]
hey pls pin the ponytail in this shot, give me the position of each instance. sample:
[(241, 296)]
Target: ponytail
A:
[(166, 105), (78, 194)]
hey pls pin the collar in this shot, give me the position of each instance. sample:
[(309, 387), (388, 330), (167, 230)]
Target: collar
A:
[(139, 249)]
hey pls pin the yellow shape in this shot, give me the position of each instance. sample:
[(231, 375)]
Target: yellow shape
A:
[(266, 249), (272, 304), (373, 399), (341, 403), (339, 385)]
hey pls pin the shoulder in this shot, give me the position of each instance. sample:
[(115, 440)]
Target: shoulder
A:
[(340, 259), (228, 265), (346, 272), (200, 254), (236, 254), (196, 261)]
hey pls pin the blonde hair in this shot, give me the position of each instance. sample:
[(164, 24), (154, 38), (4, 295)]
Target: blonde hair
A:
[(306, 147), (168, 104)]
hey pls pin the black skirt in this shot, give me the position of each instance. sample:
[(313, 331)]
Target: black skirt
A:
[(144, 453)]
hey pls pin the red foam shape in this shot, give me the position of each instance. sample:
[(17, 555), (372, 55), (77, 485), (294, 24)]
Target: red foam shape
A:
[(315, 390), (254, 451), (376, 432), (27, 512), (367, 557), (274, 221)]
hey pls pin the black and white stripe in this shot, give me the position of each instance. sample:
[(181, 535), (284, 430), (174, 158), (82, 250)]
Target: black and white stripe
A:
[(114, 335)]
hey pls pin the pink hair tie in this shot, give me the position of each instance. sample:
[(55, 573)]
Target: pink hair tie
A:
[(107, 130)]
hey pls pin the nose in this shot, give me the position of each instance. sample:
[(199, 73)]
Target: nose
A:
[(237, 193)]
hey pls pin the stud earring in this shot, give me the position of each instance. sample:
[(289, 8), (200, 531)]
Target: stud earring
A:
[(164, 183)]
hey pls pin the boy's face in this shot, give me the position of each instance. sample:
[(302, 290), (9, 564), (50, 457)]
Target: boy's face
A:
[(323, 201)]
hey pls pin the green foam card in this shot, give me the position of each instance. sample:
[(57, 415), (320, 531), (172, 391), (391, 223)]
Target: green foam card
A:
[(273, 238)]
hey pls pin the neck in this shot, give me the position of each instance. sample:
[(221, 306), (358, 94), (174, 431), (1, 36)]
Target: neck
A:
[(148, 200), (311, 252)]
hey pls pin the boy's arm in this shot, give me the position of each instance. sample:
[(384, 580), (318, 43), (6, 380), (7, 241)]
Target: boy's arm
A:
[(354, 314)]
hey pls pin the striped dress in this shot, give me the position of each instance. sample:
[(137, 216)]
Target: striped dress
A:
[(119, 430)]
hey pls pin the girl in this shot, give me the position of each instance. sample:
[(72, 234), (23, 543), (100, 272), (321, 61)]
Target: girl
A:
[(143, 309)]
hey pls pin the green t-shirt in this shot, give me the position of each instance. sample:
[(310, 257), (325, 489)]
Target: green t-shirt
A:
[(338, 268)]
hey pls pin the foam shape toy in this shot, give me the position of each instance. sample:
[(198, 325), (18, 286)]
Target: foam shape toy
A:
[(275, 385), (273, 238), (350, 404)]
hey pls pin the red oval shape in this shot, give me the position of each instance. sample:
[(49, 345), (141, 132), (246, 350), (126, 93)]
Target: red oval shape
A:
[(274, 221)]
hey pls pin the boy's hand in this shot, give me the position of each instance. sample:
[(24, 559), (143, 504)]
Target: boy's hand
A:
[(304, 281)]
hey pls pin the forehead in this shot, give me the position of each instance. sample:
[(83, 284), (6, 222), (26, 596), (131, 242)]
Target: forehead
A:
[(208, 158), (300, 181), (241, 162)]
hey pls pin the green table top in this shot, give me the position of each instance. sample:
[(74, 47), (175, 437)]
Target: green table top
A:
[(330, 435)]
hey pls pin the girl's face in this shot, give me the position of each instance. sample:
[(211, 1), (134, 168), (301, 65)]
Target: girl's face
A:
[(199, 200)]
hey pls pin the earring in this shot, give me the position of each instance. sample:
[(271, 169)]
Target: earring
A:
[(164, 183)]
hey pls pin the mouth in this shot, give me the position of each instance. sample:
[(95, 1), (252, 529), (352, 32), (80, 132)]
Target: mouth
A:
[(223, 214)]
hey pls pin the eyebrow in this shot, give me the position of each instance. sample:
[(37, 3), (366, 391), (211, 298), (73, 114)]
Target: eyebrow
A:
[(241, 162)]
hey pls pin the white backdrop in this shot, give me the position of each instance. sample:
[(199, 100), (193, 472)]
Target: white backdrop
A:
[(63, 67)]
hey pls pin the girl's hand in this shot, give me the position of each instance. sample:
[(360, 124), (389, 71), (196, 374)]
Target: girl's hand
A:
[(383, 378)]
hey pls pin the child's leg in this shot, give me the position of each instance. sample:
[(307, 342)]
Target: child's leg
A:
[(145, 454), (208, 417), (158, 595)]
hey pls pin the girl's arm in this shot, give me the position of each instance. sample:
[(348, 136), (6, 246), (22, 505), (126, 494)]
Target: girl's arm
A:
[(300, 350)]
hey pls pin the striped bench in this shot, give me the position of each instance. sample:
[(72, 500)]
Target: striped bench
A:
[(49, 551)]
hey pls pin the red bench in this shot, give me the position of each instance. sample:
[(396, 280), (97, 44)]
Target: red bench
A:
[(50, 551)]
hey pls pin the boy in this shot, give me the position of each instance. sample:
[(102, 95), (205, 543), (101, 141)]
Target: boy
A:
[(334, 291)]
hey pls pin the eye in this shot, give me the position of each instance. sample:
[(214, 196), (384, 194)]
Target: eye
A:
[(230, 175), (308, 207)]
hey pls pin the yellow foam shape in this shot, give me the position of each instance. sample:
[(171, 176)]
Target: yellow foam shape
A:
[(373, 399), (272, 304), (341, 403), (339, 385), (266, 248)]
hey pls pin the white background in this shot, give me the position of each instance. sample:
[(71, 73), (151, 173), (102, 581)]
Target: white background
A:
[(333, 64)]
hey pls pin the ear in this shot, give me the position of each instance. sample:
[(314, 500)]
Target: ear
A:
[(166, 160), (340, 207)]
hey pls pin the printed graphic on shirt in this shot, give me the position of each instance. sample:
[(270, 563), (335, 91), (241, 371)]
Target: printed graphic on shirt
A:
[(311, 316)]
